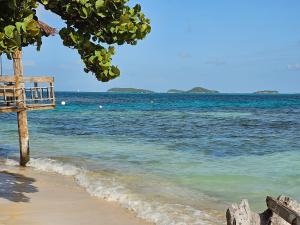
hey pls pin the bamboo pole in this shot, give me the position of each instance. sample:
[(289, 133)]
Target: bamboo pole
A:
[(21, 104)]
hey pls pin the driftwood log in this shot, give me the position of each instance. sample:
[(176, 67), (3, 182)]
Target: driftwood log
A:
[(281, 211)]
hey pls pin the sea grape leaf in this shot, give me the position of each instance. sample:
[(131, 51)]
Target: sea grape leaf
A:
[(92, 28)]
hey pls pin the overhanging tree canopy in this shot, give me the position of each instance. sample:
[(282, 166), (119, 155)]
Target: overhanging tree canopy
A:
[(92, 28)]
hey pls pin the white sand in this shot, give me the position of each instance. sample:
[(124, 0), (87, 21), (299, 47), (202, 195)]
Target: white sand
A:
[(29, 197)]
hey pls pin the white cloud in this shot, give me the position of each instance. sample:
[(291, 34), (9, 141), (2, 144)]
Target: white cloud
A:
[(295, 66)]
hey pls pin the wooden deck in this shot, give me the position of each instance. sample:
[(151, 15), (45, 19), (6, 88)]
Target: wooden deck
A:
[(36, 94), (10, 109)]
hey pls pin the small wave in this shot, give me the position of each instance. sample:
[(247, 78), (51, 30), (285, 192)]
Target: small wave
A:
[(226, 114), (11, 162), (50, 165), (110, 190)]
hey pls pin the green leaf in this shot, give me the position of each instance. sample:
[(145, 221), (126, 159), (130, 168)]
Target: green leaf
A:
[(32, 28), (9, 31), (137, 8), (99, 4), (144, 27), (111, 50), (101, 15), (73, 37), (44, 2), (91, 27), (19, 26), (28, 18), (115, 71), (83, 2), (83, 12)]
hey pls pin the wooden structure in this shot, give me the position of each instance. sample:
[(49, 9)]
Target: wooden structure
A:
[(20, 94), (37, 94), (281, 211)]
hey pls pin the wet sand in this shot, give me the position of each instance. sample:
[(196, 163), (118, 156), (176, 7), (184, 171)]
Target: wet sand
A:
[(29, 197)]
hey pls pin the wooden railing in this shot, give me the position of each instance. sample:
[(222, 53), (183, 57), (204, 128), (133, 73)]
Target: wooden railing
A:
[(37, 93)]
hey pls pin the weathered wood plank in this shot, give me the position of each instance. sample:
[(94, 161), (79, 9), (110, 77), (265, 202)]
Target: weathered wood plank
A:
[(39, 79), (7, 94), (40, 107), (14, 92), (7, 79), (284, 210), (36, 93), (8, 109), (242, 215), (7, 91), (22, 114)]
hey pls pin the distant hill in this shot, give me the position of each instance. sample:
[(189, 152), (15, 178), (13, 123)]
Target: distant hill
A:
[(129, 90), (201, 90), (175, 91), (266, 92)]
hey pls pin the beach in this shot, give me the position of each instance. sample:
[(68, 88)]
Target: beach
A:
[(198, 123), (30, 197), (168, 159)]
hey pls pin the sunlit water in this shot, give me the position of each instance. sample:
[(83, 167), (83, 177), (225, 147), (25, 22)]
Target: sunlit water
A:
[(171, 158)]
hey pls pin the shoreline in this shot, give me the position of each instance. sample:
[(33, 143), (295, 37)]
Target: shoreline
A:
[(149, 211), (32, 197)]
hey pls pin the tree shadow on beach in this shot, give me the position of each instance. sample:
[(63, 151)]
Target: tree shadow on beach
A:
[(14, 187)]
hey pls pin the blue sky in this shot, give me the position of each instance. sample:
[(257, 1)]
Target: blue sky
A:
[(226, 45)]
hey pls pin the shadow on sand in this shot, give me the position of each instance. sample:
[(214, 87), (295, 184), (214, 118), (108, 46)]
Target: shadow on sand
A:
[(14, 187)]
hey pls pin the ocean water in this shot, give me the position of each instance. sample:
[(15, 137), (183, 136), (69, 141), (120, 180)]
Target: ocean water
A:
[(171, 158)]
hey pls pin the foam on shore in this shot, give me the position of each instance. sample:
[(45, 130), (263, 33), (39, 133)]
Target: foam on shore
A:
[(109, 189)]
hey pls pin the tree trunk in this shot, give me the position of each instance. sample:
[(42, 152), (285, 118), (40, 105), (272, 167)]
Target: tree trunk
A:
[(21, 104)]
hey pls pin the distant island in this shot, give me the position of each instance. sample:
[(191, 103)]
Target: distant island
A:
[(199, 90), (175, 91), (266, 92), (195, 90), (202, 90), (129, 90)]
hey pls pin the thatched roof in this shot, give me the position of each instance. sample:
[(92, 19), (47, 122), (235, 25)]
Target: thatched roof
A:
[(46, 29)]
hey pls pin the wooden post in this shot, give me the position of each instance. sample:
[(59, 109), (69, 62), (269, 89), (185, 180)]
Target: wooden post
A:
[(241, 214), (52, 93), (283, 211), (286, 208), (36, 96), (21, 104)]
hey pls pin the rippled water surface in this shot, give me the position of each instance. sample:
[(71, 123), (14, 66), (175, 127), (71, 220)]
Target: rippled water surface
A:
[(172, 158)]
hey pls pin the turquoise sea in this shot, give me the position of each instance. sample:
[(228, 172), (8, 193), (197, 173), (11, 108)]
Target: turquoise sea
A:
[(170, 158)]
